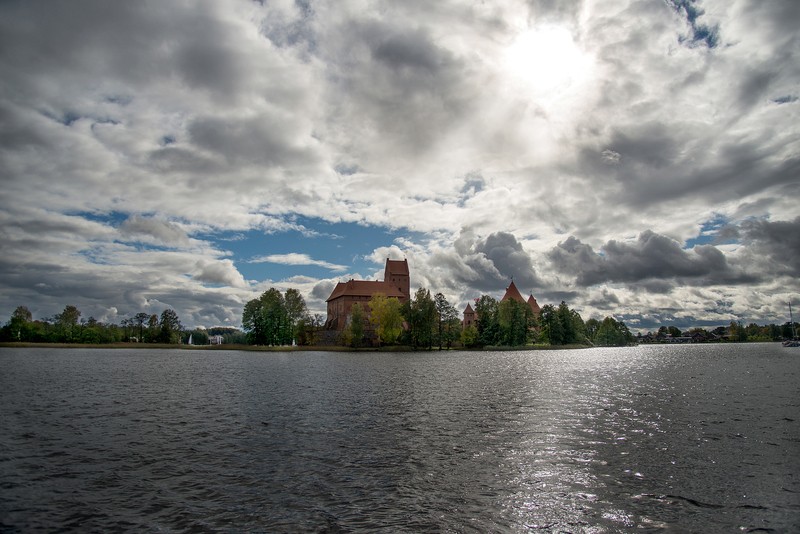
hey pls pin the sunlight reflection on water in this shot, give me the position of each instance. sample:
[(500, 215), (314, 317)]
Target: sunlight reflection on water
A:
[(701, 438)]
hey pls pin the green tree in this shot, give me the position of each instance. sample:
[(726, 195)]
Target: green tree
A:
[(487, 310), (448, 324), (19, 324), (674, 331), (613, 333), (420, 313), (513, 319), (385, 315), (738, 332), (296, 310), (140, 320), (552, 331), (252, 323), (67, 323), (566, 318), (592, 326), (308, 329), (469, 336), (153, 331), (354, 331), (198, 336), (266, 319), (169, 327)]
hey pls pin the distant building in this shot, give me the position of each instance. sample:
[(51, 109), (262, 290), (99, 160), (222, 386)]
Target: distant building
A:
[(471, 316), (396, 283), (513, 293)]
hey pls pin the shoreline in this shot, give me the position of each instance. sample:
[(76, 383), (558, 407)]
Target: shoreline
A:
[(261, 348)]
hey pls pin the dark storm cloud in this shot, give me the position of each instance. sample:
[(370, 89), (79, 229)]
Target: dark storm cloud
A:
[(653, 261), (488, 264), (777, 241), (508, 257)]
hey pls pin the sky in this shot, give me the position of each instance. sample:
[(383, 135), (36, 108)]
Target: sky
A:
[(638, 159)]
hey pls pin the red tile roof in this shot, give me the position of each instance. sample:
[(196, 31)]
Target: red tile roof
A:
[(513, 293), (534, 305), (363, 288)]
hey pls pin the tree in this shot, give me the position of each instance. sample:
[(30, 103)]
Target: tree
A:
[(198, 336), (469, 336), (513, 320), (354, 332), (552, 331), (386, 317), (487, 309), (19, 323), (613, 333), (308, 328), (152, 328), (562, 325), (252, 323), (67, 323), (169, 327), (448, 324), (266, 319), (140, 319), (592, 326), (737, 332), (296, 310), (421, 316), (568, 325)]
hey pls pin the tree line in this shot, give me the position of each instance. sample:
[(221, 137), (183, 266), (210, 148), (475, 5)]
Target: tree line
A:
[(423, 322), (736, 332), (69, 327), (426, 321)]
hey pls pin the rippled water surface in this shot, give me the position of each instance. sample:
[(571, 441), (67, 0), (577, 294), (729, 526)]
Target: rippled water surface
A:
[(702, 438)]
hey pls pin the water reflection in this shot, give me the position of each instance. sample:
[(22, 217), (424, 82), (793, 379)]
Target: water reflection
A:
[(601, 440)]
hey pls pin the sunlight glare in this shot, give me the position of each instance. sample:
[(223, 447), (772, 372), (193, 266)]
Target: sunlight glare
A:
[(546, 59)]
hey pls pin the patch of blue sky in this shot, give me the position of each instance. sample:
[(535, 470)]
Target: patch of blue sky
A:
[(709, 232), (112, 218), (316, 248)]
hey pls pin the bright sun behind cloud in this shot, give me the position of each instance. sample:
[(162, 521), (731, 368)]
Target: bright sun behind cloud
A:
[(546, 61)]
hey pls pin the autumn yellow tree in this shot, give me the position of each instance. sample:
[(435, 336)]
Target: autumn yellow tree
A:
[(386, 318)]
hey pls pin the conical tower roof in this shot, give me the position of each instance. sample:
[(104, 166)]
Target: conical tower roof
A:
[(534, 305), (513, 293)]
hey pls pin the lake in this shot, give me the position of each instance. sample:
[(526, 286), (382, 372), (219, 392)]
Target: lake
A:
[(689, 438)]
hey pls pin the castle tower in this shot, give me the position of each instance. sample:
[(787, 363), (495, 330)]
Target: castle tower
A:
[(396, 275), (469, 316)]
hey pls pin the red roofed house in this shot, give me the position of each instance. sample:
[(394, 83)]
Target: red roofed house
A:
[(396, 283)]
